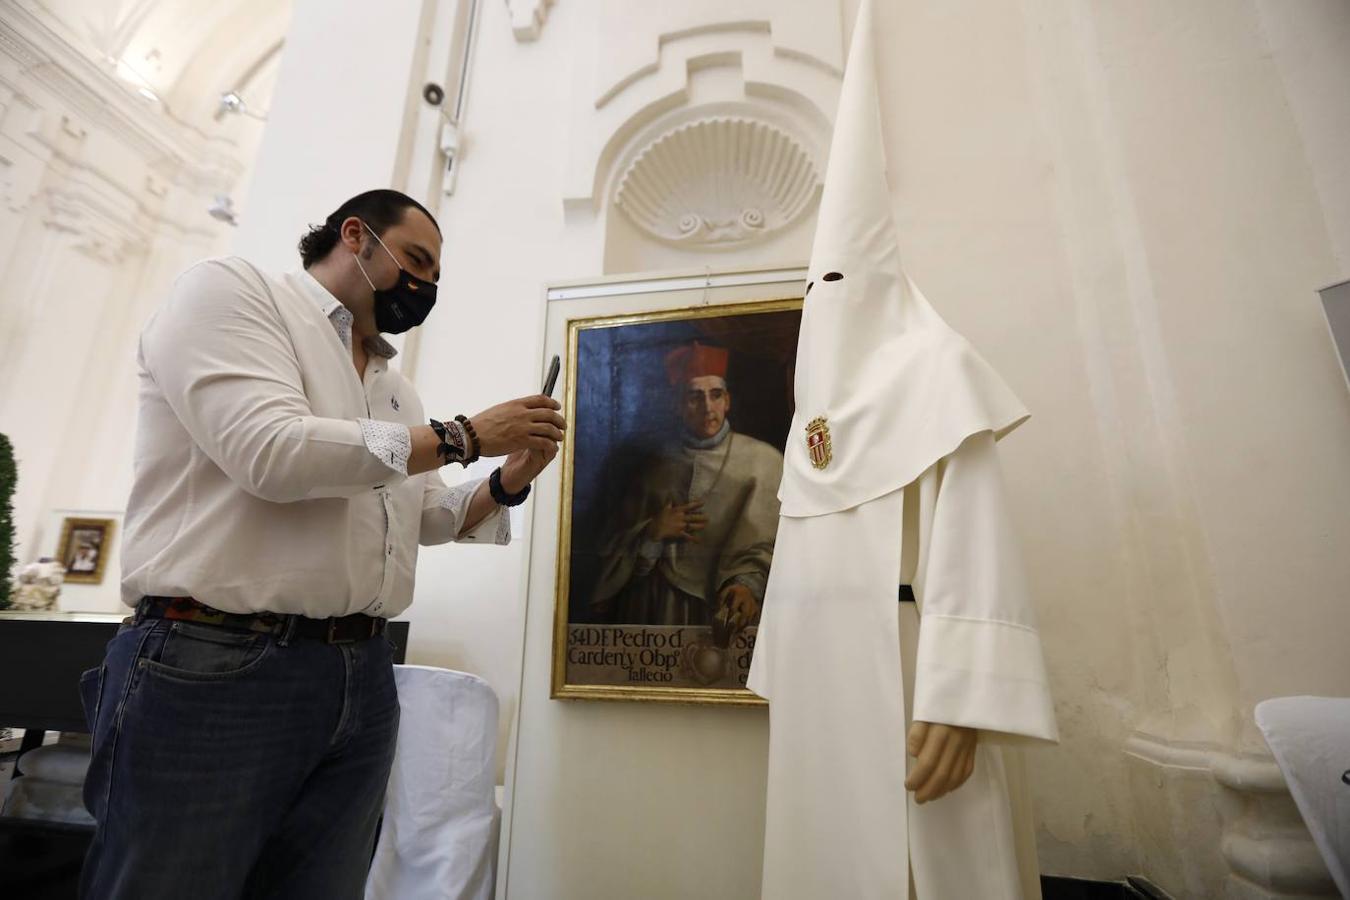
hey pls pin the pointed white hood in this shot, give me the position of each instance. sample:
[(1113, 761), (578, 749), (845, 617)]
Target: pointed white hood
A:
[(897, 389)]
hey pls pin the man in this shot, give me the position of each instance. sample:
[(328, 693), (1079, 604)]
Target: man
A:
[(696, 534), (244, 721)]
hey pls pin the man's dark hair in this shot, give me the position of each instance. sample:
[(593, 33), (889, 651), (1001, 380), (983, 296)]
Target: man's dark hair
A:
[(381, 210)]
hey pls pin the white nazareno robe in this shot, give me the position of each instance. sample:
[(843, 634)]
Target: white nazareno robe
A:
[(846, 667), (890, 477)]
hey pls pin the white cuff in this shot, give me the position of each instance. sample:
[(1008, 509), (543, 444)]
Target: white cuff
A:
[(982, 673), (456, 500), (389, 442), (503, 535), (495, 527)]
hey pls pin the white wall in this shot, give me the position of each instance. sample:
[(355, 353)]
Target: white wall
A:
[(103, 200), (336, 123)]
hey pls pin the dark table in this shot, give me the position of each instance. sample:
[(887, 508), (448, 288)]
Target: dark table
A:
[(42, 656)]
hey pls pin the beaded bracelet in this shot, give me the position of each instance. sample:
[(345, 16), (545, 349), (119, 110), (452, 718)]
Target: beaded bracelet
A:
[(473, 439), (499, 494)]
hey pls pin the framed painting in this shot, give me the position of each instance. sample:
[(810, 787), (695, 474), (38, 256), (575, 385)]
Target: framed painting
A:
[(669, 499), (84, 547)]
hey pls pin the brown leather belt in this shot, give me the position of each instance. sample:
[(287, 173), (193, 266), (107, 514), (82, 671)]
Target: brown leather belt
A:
[(335, 630)]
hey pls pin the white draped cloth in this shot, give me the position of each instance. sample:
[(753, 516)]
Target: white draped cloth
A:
[(441, 823), (1310, 737), (52, 785)]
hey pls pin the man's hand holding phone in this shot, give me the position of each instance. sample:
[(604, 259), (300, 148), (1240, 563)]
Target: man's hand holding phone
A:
[(545, 427)]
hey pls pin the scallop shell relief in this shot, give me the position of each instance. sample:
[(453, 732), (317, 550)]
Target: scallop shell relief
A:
[(720, 181)]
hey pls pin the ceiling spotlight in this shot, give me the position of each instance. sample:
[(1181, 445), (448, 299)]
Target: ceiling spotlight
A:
[(230, 102), (223, 209), (233, 104)]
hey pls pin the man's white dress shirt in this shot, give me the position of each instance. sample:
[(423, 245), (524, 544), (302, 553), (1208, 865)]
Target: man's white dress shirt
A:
[(269, 476)]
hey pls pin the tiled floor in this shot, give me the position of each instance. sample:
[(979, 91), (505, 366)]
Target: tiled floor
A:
[(46, 866)]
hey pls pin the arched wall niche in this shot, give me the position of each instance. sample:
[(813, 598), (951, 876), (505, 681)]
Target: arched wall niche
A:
[(714, 149)]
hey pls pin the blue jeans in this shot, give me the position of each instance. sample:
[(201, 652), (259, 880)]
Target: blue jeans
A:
[(229, 764)]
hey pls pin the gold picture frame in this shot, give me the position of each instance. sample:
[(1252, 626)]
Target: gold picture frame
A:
[(704, 319), (84, 548)]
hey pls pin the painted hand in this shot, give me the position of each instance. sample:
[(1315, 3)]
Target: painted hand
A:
[(741, 602), (945, 758), (678, 523)]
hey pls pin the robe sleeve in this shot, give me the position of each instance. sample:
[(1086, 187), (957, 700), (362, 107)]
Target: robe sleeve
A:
[(979, 661)]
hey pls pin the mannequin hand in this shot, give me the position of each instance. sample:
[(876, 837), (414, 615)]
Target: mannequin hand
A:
[(527, 423), (946, 757)]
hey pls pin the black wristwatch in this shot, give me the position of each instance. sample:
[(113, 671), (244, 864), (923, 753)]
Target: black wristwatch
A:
[(499, 493)]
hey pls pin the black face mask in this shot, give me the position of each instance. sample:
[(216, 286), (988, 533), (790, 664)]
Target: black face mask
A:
[(403, 306)]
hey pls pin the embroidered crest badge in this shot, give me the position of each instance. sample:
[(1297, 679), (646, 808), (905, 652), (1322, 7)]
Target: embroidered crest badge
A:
[(818, 443)]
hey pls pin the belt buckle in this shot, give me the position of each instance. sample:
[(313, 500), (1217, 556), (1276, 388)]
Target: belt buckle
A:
[(332, 633)]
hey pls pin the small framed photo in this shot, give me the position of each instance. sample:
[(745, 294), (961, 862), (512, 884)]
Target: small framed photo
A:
[(669, 499), (84, 548)]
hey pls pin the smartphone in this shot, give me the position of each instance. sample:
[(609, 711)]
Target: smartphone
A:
[(551, 380)]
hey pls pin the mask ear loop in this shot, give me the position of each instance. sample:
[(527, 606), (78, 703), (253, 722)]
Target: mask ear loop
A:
[(386, 249), (357, 256), (363, 271)]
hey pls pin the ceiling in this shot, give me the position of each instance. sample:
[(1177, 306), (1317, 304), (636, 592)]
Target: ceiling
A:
[(184, 52)]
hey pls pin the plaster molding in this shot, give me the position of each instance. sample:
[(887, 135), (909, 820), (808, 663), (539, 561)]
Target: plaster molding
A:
[(528, 18), (145, 198), (1266, 846), (19, 177), (718, 69), (759, 29), (13, 45), (105, 231), (70, 109), (1188, 755), (720, 181), (95, 96)]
